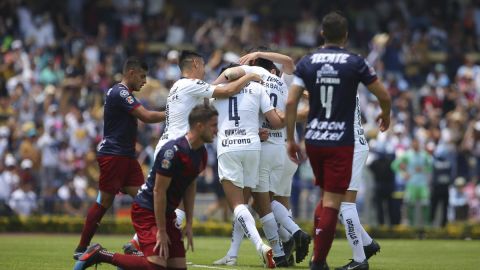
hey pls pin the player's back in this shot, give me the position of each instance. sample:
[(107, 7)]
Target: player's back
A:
[(331, 75), (238, 121), (183, 96)]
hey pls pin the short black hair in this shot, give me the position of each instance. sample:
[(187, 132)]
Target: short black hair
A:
[(186, 57), (334, 26), (134, 63), (231, 65), (262, 62), (201, 113)]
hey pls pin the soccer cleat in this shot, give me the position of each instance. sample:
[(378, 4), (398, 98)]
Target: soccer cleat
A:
[(371, 249), (78, 252), (88, 258), (281, 261), (132, 248), (267, 256), (227, 260), (318, 266), (353, 265), (302, 241), (288, 248)]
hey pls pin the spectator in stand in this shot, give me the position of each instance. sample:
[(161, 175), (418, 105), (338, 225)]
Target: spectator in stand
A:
[(458, 200)]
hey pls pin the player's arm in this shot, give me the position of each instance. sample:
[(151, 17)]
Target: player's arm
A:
[(288, 66), (147, 116), (275, 118), (188, 202), (230, 74), (230, 89), (379, 91), (160, 205), (294, 95)]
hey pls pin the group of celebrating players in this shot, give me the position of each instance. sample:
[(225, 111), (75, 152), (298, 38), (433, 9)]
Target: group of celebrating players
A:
[(252, 108)]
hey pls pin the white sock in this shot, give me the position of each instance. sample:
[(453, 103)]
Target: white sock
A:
[(135, 238), (180, 217), (271, 233), (284, 217), (366, 239), (353, 230), (283, 233), (245, 219), (237, 237)]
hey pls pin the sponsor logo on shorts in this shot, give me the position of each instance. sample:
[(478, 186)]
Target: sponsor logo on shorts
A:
[(228, 142)]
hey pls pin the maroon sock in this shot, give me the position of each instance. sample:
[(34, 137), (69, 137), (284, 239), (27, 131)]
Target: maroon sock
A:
[(324, 234), (131, 262), (95, 214)]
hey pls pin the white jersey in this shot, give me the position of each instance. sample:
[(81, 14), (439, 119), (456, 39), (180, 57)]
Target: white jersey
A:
[(238, 120), (277, 90), (183, 96), (358, 133)]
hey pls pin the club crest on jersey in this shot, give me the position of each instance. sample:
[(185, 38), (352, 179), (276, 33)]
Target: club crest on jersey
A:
[(130, 100), (168, 154), (200, 82), (124, 93), (166, 164)]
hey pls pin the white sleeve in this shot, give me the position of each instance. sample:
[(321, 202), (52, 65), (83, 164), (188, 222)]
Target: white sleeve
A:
[(248, 69), (288, 79), (201, 89), (265, 103), (298, 81)]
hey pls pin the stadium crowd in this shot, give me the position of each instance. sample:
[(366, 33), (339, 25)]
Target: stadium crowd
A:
[(58, 59)]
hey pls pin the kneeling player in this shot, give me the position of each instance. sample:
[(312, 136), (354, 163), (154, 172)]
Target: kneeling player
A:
[(171, 180)]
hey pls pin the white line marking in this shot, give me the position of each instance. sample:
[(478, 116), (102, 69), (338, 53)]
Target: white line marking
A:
[(211, 267)]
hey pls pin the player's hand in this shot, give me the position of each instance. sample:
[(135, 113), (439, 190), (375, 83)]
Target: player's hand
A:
[(383, 121), (188, 232), (294, 152), (248, 58), (162, 244), (263, 134)]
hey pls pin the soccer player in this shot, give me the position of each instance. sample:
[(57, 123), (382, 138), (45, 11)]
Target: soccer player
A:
[(171, 180), (238, 151), (187, 92), (119, 169), (331, 75), (275, 173)]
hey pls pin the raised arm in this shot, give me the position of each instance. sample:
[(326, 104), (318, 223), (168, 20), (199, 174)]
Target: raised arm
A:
[(230, 74), (288, 66)]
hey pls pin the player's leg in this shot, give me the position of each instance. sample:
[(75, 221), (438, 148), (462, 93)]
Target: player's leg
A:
[(281, 187), (332, 168), (112, 174), (356, 235)]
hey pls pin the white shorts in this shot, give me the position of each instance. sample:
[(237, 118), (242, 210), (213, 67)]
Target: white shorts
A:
[(359, 159), (283, 185), (239, 167), (272, 158)]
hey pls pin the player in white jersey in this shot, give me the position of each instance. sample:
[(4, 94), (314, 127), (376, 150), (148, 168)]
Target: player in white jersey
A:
[(187, 92), (276, 171), (238, 151)]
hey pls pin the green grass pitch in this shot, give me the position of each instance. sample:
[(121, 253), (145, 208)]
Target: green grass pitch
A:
[(49, 252)]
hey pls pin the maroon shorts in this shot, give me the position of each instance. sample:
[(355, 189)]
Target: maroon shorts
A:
[(332, 167), (146, 228), (117, 172)]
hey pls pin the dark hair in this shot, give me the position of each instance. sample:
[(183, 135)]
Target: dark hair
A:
[(134, 63), (201, 113), (231, 65), (186, 57), (334, 26), (262, 62)]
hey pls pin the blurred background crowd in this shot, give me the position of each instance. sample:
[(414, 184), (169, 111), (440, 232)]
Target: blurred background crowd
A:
[(57, 59)]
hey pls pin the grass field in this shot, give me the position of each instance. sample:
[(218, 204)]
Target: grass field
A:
[(48, 252)]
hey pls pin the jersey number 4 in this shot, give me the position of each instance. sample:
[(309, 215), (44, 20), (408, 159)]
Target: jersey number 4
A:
[(326, 94), (233, 110)]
